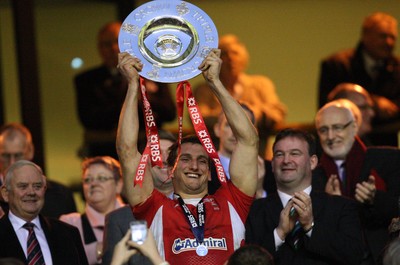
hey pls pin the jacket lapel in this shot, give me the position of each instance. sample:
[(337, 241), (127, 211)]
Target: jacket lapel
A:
[(9, 241)]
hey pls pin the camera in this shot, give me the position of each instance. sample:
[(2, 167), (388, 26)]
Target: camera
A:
[(138, 231)]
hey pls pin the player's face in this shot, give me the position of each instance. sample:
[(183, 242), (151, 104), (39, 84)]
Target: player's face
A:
[(192, 173), (26, 194), (336, 130), (292, 164)]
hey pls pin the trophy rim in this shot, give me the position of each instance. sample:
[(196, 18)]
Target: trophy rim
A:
[(171, 38)]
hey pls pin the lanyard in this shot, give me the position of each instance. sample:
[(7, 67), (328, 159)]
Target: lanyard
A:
[(197, 226)]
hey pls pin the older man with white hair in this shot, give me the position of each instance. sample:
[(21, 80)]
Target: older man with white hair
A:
[(369, 175), (26, 234)]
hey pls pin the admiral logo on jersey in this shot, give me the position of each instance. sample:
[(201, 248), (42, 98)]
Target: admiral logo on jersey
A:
[(191, 244)]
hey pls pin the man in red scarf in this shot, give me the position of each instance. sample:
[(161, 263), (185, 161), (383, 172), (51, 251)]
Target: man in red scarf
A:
[(369, 175)]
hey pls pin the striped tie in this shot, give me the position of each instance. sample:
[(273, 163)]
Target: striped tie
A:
[(35, 256), (296, 234)]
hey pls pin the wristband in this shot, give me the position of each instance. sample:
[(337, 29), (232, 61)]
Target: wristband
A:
[(164, 263), (309, 229)]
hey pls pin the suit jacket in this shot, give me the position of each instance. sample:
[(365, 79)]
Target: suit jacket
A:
[(349, 66), (100, 96), (336, 237), (64, 242), (383, 163), (116, 225)]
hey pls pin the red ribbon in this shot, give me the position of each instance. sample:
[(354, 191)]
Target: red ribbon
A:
[(199, 127), (152, 149)]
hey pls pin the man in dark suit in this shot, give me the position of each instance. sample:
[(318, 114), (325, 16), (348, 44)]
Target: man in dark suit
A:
[(16, 144), (373, 66), (298, 225), (100, 93), (59, 243), (368, 175)]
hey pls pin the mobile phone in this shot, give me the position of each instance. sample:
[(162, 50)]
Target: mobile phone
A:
[(138, 231)]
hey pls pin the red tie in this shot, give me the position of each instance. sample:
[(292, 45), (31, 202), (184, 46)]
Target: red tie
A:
[(35, 255)]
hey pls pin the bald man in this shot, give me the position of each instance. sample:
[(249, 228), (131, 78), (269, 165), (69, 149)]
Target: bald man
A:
[(350, 169)]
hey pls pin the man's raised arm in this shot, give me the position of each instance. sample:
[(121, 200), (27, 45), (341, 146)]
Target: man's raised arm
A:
[(128, 131), (243, 165)]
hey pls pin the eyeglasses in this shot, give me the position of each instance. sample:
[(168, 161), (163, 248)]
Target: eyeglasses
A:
[(336, 128), (100, 179)]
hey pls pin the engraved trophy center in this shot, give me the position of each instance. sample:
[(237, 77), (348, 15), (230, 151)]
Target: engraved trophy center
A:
[(168, 47), (168, 42), (170, 37)]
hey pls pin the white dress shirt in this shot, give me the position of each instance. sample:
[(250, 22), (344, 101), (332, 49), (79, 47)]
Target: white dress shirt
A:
[(23, 233)]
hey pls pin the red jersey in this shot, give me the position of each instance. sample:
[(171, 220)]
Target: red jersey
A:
[(226, 213)]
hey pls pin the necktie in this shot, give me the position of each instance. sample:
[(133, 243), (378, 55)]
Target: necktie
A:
[(296, 234), (343, 176), (35, 255)]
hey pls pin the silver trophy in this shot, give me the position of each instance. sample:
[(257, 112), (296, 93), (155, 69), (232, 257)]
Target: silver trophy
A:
[(171, 38)]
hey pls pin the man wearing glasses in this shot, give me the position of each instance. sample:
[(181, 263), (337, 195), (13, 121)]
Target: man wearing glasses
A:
[(349, 168)]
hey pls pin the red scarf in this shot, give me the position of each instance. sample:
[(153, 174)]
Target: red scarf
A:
[(353, 165)]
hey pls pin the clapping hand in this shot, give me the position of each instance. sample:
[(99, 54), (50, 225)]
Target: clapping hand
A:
[(332, 186), (365, 191)]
